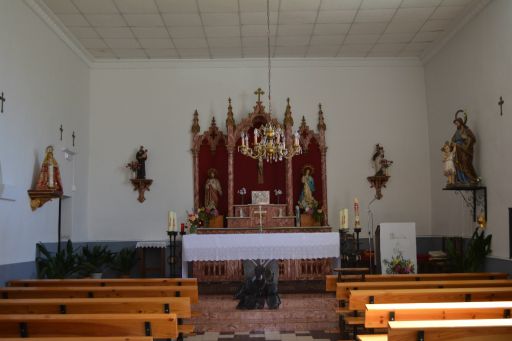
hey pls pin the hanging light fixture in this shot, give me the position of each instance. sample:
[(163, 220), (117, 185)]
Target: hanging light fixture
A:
[(269, 140)]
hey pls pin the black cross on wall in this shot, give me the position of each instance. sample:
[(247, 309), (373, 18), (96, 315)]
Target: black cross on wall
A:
[(500, 103), (2, 101)]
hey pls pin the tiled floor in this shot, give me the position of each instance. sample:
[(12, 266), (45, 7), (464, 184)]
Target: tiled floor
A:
[(265, 336)]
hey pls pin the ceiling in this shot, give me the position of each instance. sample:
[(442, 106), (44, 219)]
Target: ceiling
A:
[(209, 29)]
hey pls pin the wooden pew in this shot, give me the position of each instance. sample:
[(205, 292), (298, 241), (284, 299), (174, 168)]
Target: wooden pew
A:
[(77, 338), (101, 292), (331, 280), (36, 325), (343, 288), (128, 305), (440, 330), (359, 298), (378, 315), (103, 282)]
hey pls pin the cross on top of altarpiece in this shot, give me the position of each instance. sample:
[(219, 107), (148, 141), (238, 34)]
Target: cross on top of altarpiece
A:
[(260, 212), (259, 92)]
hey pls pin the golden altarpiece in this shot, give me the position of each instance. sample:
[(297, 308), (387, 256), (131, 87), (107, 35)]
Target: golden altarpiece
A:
[(214, 149)]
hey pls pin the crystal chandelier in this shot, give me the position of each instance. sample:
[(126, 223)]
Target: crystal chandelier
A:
[(269, 144), (269, 140)]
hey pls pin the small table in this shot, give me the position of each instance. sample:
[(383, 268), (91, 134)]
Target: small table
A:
[(142, 248)]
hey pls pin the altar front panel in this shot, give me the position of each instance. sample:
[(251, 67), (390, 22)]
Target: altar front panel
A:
[(302, 256)]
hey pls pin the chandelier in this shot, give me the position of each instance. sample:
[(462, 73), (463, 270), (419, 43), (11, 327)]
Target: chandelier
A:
[(269, 140), (269, 144)]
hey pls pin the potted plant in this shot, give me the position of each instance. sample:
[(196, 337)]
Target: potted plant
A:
[(124, 261), (93, 260), (473, 255), (63, 264)]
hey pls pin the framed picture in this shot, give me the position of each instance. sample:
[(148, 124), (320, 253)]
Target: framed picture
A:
[(260, 197)]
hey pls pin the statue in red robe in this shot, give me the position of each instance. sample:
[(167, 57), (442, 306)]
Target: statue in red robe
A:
[(49, 176)]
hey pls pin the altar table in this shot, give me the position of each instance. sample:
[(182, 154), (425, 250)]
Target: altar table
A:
[(281, 246)]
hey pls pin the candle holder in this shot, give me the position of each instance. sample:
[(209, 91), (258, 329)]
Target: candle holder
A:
[(357, 230), (173, 261)]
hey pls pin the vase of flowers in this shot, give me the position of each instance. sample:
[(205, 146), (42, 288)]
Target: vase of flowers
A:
[(278, 193), (193, 222), (242, 191), (399, 265)]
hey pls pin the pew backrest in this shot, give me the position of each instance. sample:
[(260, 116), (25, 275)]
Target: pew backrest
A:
[(343, 288), (78, 338), (103, 282), (331, 280), (127, 305), (440, 330), (101, 292), (378, 315), (36, 325), (359, 298)]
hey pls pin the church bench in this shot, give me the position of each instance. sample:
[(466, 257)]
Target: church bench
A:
[(359, 298), (378, 315), (440, 330), (101, 292), (137, 305), (373, 337), (343, 288), (331, 280), (78, 338), (50, 325), (88, 282)]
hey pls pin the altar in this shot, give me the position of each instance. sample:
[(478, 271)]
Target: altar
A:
[(301, 255), (260, 215)]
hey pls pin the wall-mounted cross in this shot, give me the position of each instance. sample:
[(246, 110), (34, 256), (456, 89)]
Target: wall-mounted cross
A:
[(500, 103), (259, 92), (73, 136), (61, 130), (2, 101)]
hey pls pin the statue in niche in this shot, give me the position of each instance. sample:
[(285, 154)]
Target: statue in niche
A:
[(463, 141), (306, 200), (141, 156), (49, 177), (212, 190), (380, 163)]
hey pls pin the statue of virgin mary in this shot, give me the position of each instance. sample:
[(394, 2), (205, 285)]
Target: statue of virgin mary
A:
[(306, 199)]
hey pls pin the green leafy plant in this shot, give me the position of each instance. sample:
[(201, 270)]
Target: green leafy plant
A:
[(94, 260), (62, 264), (124, 261), (472, 257)]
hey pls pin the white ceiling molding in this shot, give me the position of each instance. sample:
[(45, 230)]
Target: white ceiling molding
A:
[(476, 7), (257, 63), (62, 32)]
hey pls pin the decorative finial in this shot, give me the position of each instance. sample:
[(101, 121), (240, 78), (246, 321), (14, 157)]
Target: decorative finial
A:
[(258, 93), (288, 119), (195, 123), (321, 123), (230, 121), (213, 122), (303, 125)]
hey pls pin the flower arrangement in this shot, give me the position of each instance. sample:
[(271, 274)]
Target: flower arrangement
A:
[(200, 218), (193, 221), (399, 265), (316, 212), (278, 193), (242, 191)]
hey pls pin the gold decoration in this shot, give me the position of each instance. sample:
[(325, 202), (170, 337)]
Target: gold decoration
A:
[(288, 120), (195, 124), (230, 121), (321, 123)]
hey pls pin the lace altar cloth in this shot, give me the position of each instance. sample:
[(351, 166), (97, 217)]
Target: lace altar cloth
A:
[(159, 244)]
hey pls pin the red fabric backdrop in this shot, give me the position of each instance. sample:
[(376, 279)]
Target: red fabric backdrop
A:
[(313, 158), (219, 161)]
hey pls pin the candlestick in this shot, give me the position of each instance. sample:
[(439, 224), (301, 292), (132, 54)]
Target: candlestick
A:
[(182, 228)]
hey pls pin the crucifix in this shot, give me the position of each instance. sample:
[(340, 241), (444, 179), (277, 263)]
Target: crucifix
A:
[(61, 130), (259, 92), (260, 212), (2, 101), (73, 136), (500, 103), (260, 171)]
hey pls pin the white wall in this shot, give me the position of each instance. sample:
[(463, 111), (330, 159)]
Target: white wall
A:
[(364, 103), (472, 71), (45, 85)]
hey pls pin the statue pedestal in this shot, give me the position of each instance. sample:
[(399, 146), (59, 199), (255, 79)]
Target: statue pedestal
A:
[(307, 220)]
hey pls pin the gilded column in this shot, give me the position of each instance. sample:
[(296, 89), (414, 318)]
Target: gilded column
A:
[(288, 125), (231, 145), (323, 158)]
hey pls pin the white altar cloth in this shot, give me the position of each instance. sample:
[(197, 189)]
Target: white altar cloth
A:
[(221, 247)]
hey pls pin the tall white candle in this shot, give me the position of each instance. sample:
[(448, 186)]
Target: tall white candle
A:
[(341, 218), (175, 225), (345, 218), (169, 221)]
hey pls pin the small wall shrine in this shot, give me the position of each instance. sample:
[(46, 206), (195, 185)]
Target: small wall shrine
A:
[(279, 190)]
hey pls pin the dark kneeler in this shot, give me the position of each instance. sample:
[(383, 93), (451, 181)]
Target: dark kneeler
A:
[(259, 289)]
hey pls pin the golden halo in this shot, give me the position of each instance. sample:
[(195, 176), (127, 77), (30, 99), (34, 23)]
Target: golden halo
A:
[(212, 170), (465, 120), (310, 167)]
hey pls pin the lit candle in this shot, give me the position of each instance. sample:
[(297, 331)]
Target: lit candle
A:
[(345, 216), (169, 221), (357, 222)]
